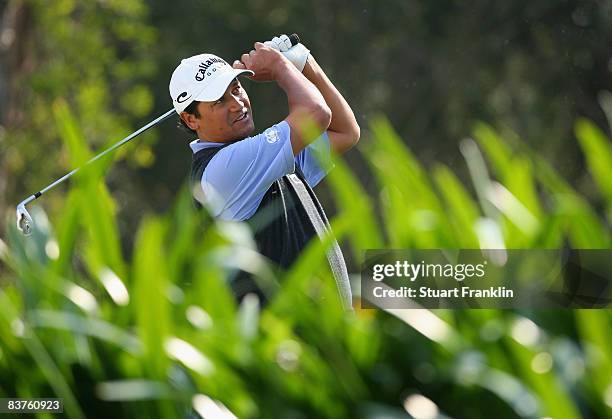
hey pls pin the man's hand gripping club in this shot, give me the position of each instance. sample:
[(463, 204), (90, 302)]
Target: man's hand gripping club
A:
[(304, 99), (297, 54)]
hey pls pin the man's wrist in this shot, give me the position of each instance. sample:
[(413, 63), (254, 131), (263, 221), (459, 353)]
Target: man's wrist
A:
[(310, 68), (282, 67), (313, 71)]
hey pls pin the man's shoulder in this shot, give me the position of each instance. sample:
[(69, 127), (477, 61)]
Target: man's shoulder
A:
[(259, 150), (271, 135), (267, 142)]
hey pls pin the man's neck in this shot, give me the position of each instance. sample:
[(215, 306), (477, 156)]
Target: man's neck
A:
[(205, 140)]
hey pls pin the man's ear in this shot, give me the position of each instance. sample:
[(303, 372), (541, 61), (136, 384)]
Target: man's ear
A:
[(191, 120)]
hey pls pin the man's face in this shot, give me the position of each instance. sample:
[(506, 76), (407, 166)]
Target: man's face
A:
[(227, 119)]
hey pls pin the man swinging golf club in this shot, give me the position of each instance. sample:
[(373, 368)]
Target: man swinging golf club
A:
[(265, 179)]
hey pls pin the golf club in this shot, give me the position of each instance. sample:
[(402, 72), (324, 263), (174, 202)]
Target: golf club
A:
[(25, 223)]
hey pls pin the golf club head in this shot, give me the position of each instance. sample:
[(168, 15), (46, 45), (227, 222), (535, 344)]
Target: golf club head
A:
[(25, 224)]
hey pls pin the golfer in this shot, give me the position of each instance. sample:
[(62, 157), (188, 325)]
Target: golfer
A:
[(244, 177)]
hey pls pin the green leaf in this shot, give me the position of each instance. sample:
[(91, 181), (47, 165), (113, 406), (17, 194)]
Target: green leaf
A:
[(412, 212), (150, 302), (353, 202), (598, 152), (497, 151), (462, 210)]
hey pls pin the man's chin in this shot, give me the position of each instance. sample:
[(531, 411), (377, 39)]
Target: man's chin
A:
[(247, 131)]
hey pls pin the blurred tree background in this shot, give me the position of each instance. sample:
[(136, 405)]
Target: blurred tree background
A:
[(433, 68), (133, 311)]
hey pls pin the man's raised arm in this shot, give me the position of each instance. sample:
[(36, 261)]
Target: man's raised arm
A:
[(306, 102), (343, 129)]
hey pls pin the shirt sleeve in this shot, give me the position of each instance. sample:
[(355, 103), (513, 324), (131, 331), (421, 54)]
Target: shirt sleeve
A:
[(237, 178), (315, 160)]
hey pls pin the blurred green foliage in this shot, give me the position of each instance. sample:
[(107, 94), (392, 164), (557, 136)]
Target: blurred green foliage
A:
[(432, 67), (158, 334), (92, 55)]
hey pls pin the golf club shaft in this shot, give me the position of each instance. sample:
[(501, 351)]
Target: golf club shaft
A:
[(114, 147), (294, 38), (24, 220)]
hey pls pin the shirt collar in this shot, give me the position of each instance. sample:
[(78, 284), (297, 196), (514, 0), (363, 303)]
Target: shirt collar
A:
[(197, 145)]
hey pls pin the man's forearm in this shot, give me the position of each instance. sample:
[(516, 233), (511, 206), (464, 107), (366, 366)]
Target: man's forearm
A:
[(343, 128), (304, 100), (301, 93)]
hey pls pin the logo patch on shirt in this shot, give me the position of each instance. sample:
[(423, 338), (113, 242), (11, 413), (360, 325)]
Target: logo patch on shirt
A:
[(272, 135)]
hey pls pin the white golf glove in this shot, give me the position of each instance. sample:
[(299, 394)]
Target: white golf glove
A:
[(297, 54)]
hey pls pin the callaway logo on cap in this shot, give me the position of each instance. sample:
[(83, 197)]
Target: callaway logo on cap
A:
[(203, 77)]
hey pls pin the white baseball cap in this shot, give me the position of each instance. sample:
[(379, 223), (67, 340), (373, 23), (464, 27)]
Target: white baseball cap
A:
[(203, 77)]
